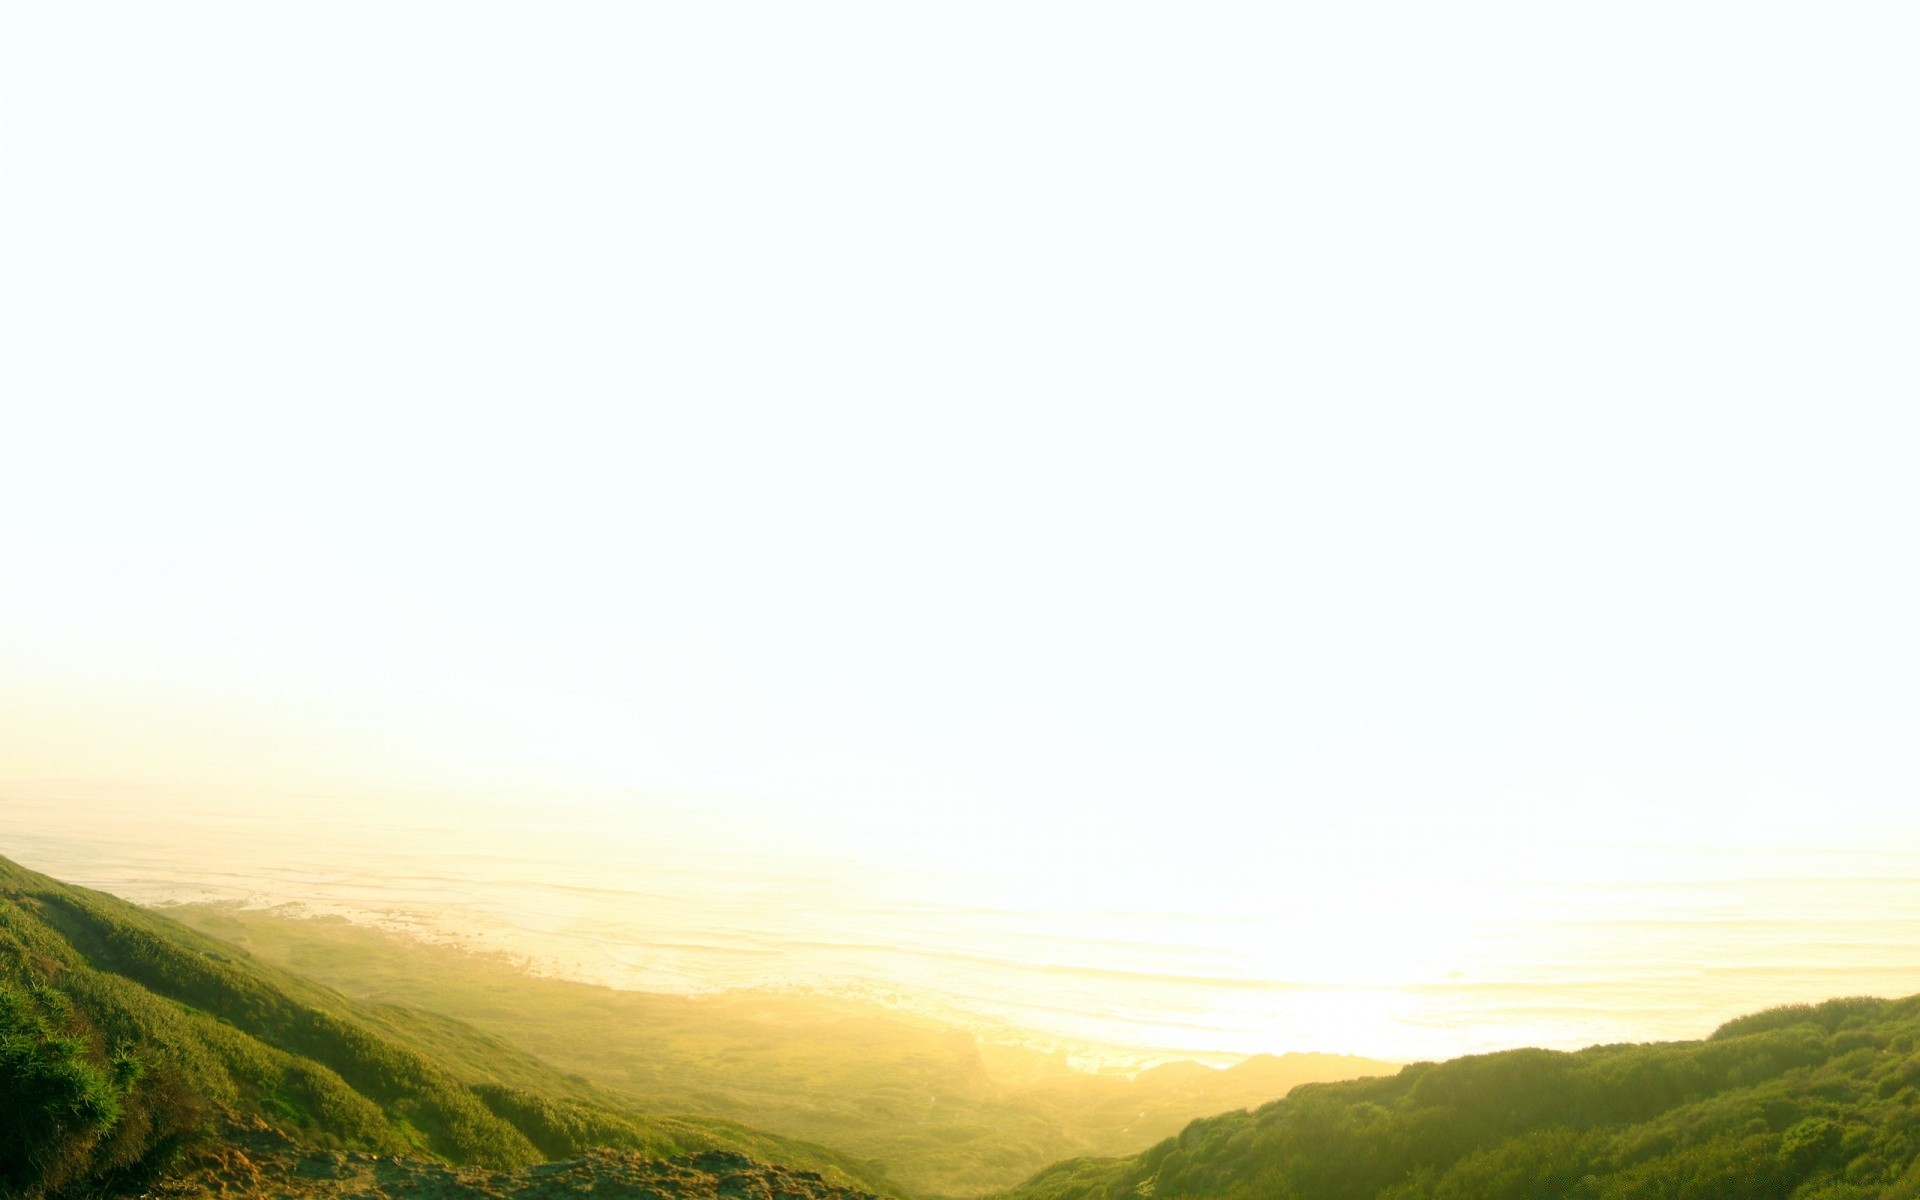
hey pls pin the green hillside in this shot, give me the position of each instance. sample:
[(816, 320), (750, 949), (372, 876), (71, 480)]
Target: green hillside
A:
[(124, 1035), (948, 1113), (1811, 1102)]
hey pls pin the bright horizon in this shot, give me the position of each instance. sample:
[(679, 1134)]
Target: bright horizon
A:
[(1358, 477)]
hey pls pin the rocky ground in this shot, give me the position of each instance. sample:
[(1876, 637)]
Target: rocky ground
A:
[(258, 1164)]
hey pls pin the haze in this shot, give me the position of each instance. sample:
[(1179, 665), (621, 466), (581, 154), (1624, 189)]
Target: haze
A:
[(1321, 513)]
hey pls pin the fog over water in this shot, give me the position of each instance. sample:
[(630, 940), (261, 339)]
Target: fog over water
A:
[(1374, 527), (1691, 938)]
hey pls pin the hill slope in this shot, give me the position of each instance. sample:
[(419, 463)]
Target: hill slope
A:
[(1812, 1102), (947, 1112), (258, 1163), (123, 1034)]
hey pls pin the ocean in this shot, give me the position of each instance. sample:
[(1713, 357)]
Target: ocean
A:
[(1611, 944)]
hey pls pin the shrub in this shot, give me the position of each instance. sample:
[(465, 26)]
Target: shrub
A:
[(62, 1097)]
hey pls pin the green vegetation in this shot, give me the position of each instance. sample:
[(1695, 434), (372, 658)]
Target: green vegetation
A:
[(1811, 1102), (945, 1112), (64, 1100), (123, 1035)]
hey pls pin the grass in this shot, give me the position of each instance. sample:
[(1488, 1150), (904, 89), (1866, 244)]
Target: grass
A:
[(187, 1030), (944, 1112), (1798, 1103)]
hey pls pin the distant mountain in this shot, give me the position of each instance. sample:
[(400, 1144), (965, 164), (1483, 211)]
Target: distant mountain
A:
[(948, 1113), (1808, 1102), (126, 1037)]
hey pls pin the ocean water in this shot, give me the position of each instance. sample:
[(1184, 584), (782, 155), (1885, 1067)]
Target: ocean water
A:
[(1607, 945)]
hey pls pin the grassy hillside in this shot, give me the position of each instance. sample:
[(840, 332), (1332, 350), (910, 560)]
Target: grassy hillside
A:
[(1811, 1102), (945, 1112), (123, 1034)]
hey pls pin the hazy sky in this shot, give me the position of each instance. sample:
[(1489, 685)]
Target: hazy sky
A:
[(1095, 435)]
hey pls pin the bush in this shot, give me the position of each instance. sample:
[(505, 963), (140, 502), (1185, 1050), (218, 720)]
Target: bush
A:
[(62, 1097)]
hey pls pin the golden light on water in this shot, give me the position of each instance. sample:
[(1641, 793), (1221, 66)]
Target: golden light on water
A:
[(1596, 944)]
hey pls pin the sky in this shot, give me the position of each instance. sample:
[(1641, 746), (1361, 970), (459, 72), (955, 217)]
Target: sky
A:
[(1145, 446)]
